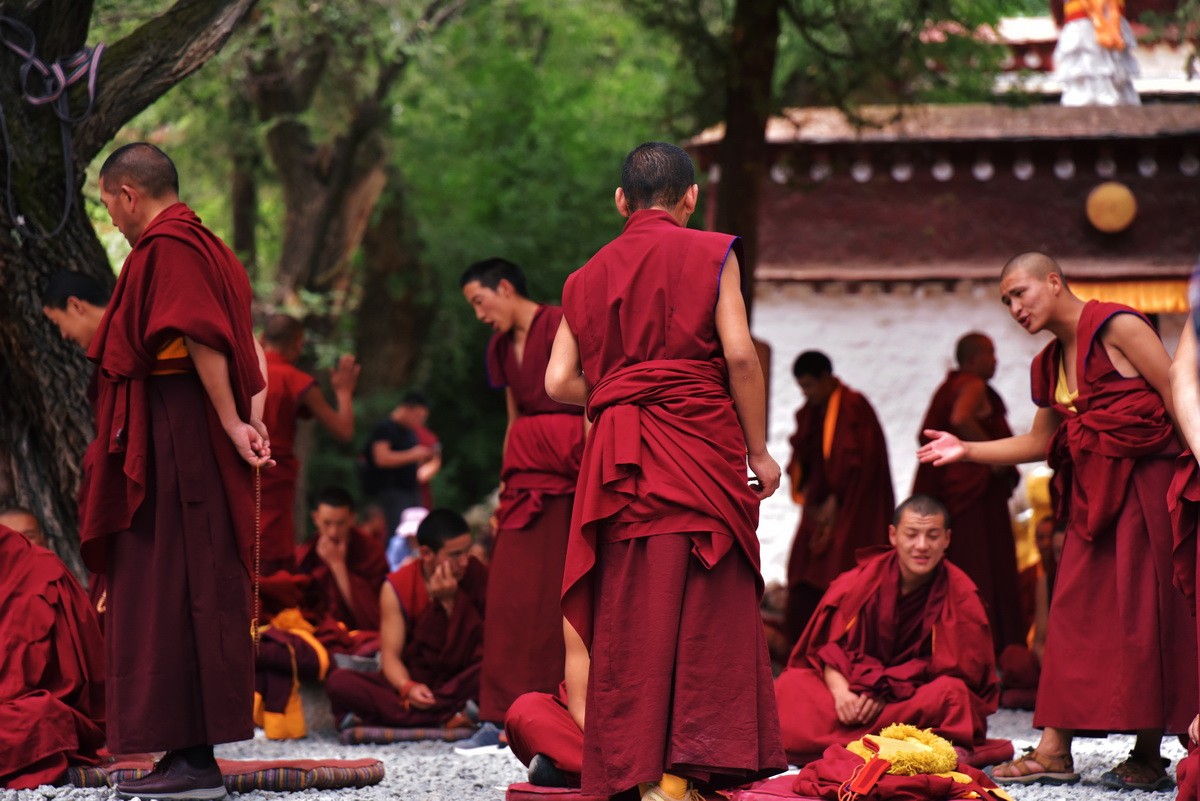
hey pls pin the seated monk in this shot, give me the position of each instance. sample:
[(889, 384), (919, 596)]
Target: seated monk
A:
[(901, 638), (347, 568), (51, 668), (431, 636), (546, 731)]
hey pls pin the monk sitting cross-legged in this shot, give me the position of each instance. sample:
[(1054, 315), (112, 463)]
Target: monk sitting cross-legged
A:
[(431, 635), (902, 638)]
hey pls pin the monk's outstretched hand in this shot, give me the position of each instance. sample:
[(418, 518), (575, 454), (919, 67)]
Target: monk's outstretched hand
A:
[(767, 473), (942, 448)]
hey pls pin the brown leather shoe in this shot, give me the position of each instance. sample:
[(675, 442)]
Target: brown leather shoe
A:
[(173, 777)]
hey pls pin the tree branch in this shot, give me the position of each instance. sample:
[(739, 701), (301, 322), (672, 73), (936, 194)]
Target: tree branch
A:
[(144, 65)]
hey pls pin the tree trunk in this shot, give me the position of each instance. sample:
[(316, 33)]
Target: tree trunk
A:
[(395, 314), (45, 421), (246, 158), (753, 47)]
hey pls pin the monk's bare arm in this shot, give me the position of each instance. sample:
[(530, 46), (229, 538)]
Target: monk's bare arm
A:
[(1185, 388), (339, 420), (259, 402), (1139, 343), (565, 382), (964, 415), (746, 385), (393, 634), (213, 368), (945, 448), (578, 664)]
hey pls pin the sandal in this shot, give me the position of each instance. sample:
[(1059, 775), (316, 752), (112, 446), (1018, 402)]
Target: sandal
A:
[(1035, 768), (1135, 773)]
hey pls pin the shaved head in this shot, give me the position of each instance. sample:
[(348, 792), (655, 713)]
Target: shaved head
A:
[(282, 330), (1034, 264), (144, 166), (971, 346)]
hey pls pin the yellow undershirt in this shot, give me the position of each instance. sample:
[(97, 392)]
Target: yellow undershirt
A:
[(1062, 393)]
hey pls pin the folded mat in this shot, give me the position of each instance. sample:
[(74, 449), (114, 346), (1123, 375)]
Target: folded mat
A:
[(241, 776), (524, 791), (382, 735)]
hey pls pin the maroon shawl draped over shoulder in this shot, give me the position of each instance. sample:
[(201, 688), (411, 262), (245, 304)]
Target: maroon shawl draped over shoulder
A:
[(1116, 420), (680, 410), (859, 620), (51, 668), (179, 280)]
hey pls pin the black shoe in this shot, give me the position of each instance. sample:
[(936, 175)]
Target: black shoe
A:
[(544, 773), (172, 778)]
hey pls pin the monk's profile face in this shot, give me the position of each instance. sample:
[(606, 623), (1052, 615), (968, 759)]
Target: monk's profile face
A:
[(333, 522), (73, 322), (920, 542), (120, 205), (455, 552), (494, 307), (817, 389), (983, 362), (26, 524), (1030, 298)]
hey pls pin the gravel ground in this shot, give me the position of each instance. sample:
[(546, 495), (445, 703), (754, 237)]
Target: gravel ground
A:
[(433, 771)]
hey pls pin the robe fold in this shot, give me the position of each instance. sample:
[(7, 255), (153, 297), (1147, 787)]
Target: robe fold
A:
[(286, 387), (442, 651), (167, 505), (540, 723), (976, 496), (367, 565), (928, 657), (661, 578), (523, 649), (856, 473), (1133, 646), (51, 668)]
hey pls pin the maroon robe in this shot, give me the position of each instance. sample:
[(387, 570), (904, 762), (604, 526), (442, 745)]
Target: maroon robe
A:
[(523, 649), (540, 723), (51, 668), (857, 474), (927, 656), (1117, 626), (662, 580), (286, 387), (443, 652), (976, 496), (323, 603), (167, 504)]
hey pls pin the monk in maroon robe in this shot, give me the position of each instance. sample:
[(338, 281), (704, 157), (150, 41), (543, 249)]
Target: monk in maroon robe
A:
[(167, 502), (975, 494), (840, 474), (523, 649), (292, 395), (662, 577), (1117, 629), (51, 668), (902, 638), (347, 567), (431, 636)]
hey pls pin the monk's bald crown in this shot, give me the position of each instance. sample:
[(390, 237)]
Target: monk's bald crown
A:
[(144, 166), (1033, 264)]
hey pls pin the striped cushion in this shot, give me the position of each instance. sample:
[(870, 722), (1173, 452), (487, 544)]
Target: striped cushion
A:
[(524, 791), (359, 735), (284, 775)]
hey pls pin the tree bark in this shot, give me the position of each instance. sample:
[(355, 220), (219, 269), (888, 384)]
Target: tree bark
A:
[(45, 420), (754, 38), (395, 314)]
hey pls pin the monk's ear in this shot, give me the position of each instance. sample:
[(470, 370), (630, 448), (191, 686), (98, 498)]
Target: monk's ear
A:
[(75, 305), (690, 198), (622, 203), (892, 535)]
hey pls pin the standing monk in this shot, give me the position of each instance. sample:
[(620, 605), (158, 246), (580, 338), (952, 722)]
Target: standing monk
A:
[(1120, 646), (840, 475), (523, 642), (976, 494), (167, 505), (662, 578), (293, 394)]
